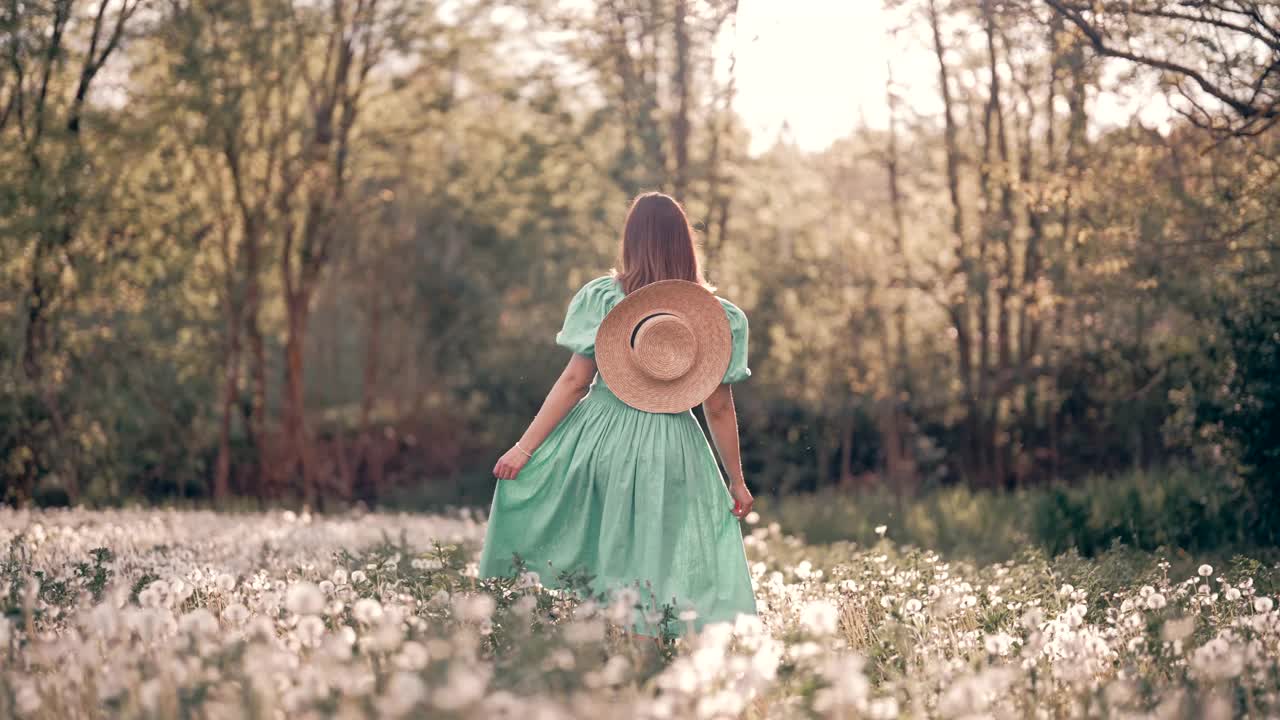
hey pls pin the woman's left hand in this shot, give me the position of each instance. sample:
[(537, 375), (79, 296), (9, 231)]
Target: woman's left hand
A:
[(509, 464), (742, 500)]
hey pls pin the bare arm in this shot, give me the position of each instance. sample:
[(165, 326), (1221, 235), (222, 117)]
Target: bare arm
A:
[(722, 420), (571, 387)]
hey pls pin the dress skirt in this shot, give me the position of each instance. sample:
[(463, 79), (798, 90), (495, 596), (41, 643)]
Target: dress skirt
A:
[(635, 499)]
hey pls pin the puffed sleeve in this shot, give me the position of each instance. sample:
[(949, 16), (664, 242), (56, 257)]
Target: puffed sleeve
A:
[(738, 370), (586, 310)]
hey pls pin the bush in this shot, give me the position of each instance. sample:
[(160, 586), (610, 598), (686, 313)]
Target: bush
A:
[(1147, 510), (1251, 414), (1171, 508)]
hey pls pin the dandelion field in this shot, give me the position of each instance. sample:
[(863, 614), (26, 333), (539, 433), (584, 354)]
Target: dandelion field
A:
[(165, 614)]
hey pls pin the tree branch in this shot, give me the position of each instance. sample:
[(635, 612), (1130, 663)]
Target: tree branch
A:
[(1246, 110)]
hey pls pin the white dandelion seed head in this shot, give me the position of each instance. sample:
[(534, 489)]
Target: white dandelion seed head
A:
[(367, 610), (198, 622), (27, 699), (413, 655), (884, 708), (465, 686), (405, 691), (819, 617), (747, 625), (235, 614), (304, 598), (586, 609), (581, 632), (848, 687), (309, 631), (474, 607), (525, 605)]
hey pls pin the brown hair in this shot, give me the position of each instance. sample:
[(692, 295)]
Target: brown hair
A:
[(657, 244)]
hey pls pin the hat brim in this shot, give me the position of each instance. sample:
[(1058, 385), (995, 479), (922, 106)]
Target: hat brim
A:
[(710, 325)]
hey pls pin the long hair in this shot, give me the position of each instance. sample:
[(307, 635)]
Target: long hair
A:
[(657, 244)]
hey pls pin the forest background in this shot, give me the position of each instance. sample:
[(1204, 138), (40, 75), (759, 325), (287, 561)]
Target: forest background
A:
[(261, 252)]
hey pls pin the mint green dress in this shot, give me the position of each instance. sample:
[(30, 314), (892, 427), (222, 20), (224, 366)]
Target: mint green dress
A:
[(635, 498)]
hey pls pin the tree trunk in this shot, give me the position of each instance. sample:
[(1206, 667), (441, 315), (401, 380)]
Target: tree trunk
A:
[(998, 385), (369, 394), (903, 274), (898, 464), (958, 309), (719, 123), (846, 452), (39, 347), (295, 434), (255, 412), (1030, 323), (680, 119), (1067, 262), (230, 391)]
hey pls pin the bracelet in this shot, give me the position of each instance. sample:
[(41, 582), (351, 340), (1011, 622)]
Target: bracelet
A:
[(526, 452)]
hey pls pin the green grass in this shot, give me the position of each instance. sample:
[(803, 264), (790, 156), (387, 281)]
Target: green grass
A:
[(1177, 511)]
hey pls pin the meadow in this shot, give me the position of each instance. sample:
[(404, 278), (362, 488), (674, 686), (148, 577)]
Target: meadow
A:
[(1014, 412), (188, 614)]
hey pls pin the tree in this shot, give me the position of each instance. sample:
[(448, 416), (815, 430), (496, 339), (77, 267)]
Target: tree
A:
[(653, 60), (1236, 60), (45, 83)]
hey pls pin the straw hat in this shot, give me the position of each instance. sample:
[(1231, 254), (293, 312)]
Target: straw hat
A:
[(665, 347)]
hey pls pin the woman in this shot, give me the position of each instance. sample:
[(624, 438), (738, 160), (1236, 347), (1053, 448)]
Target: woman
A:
[(633, 497)]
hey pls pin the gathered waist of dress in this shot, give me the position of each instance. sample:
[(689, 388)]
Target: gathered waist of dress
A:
[(598, 391)]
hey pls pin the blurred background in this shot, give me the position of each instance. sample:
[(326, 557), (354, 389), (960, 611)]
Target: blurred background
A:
[(1010, 265)]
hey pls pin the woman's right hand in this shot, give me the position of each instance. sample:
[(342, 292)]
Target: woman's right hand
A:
[(742, 499), (509, 464)]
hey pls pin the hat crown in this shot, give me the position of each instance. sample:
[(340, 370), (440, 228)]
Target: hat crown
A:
[(664, 346)]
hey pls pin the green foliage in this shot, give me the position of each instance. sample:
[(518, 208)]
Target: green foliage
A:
[(484, 177), (963, 521), (1251, 416), (1174, 509)]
